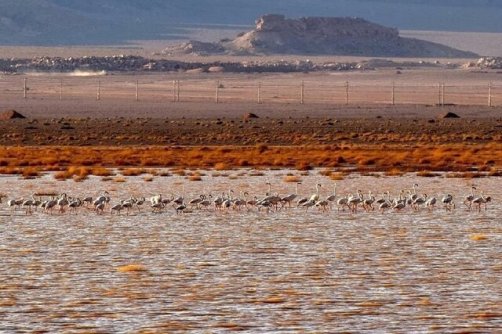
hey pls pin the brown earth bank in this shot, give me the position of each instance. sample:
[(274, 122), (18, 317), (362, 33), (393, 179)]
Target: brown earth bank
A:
[(248, 132), (384, 141), (202, 124)]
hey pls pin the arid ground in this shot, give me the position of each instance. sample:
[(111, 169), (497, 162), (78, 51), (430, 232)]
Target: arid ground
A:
[(75, 130)]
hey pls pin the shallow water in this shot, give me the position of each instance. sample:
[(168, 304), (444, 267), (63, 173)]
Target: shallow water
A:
[(286, 271)]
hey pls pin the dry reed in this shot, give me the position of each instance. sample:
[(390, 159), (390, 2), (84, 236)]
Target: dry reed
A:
[(394, 159)]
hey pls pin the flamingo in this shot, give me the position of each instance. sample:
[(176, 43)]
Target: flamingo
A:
[(308, 204), (252, 202), (399, 205), (166, 201), (15, 203), (155, 199), (469, 198), (264, 204), (301, 201), (139, 203), (49, 205), (288, 199), (157, 207), (384, 206), (28, 204), (323, 204), (240, 202), (414, 196), (384, 198), (196, 201), (431, 203), (419, 201), (62, 202), (368, 202), (73, 205), (481, 200), (332, 197), (128, 204), (87, 200), (116, 208), (104, 198), (180, 208), (315, 197), (206, 202), (273, 199), (447, 201), (343, 202), (180, 199), (354, 200), (99, 208)]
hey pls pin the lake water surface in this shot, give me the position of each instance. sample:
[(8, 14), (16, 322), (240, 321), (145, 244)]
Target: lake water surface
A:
[(278, 272)]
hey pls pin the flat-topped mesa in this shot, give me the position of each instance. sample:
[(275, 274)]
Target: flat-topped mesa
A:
[(276, 34), (329, 27)]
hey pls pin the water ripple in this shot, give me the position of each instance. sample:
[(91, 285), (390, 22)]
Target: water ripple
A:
[(282, 272)]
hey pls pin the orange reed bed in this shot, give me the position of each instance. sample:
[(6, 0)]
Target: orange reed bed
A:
[(385, 158)]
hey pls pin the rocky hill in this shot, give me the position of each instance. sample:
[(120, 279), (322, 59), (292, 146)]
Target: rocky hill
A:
[(276, 34)]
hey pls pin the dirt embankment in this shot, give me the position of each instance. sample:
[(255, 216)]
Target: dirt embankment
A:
[(248, 132)]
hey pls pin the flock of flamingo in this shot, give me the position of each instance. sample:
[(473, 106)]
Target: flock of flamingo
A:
[(101, 204)]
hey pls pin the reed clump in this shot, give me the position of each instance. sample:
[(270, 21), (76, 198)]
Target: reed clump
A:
[(291, 178), (101, 171), (30, 173), (478, 237), (195, 177), (220, 166), (133, 171), (362, 156), (75, 173), (131, 268)]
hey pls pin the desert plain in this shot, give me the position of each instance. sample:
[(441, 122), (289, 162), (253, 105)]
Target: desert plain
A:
[(390, 120)]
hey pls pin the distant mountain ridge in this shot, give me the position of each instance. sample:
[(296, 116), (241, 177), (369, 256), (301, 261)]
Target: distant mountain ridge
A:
[(60, 22)]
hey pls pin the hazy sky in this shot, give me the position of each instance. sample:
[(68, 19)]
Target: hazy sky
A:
[(96, 21)]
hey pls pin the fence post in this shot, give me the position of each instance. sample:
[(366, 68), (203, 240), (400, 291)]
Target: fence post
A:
[(61, 90), (490, 94), (25, 88), (177, 91), (98, 93), (439, 94), (217, 93), (440, 97), (346, 92), (259, 92), (393, 93), (137, 90), (302, 92), (174, 90), (442, 94)]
